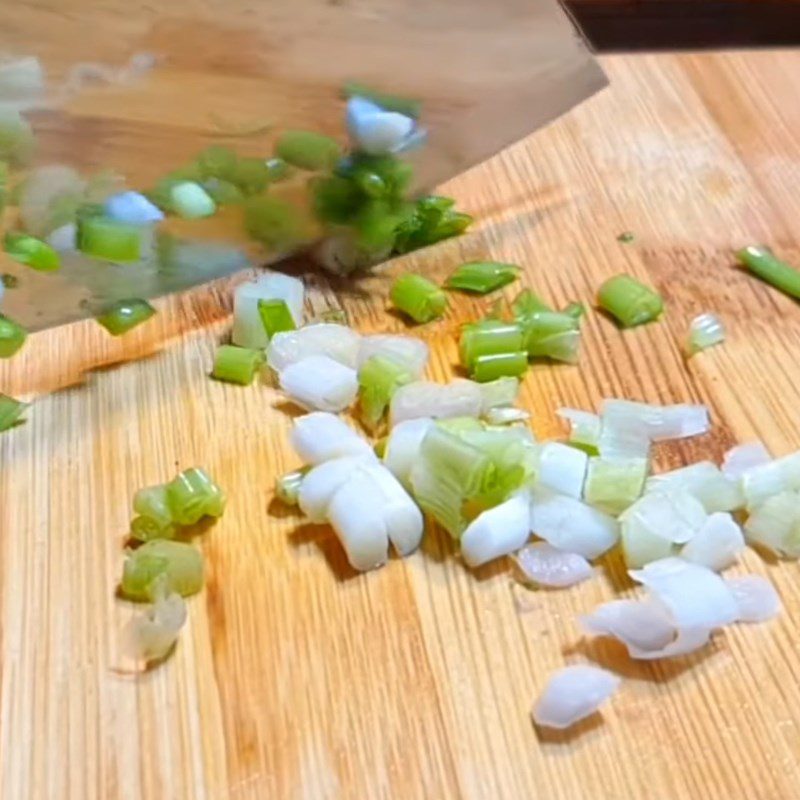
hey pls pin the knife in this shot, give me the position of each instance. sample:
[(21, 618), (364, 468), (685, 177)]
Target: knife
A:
[(485, 74)]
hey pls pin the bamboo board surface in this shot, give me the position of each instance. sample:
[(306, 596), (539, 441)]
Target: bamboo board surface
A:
[(295, 677)]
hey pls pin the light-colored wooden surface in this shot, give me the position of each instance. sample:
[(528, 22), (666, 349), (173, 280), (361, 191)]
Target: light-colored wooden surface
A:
[(296, 678)]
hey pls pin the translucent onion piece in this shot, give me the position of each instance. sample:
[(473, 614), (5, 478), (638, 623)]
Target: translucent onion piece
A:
[(403, 445), (717, 544), (704, 481), (459, 398), (775, 524), (498, 394), (562, 469), (152, 635), (573, 693), (506, 416), (319, 382), (321, 484), (744, 457), (133, 208), (546, 565), (248, 329), (673, 516), (584, 426), (64, 238), (326, 339), (705, 330), (756, 598), (408, 351), (376, 131), (321, 436), (695, 596), (640, 546), (497, 532), (780, 475), (570, 525)]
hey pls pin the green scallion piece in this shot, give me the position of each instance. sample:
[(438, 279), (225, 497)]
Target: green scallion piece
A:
[(761, 261), (191, 201), (416, 296), (613, 484), (630, 302), (154, 520), (193, 495), (528, 302), (125, 315), (308, 150), (251, 175), (10, 411), (275, 316), (551, 334), (287, 487), (12, 337), (222, 192), (109, 239), (162, 565), (378, 379), (276, 223), (482, 277), (335, 199), (499, 365), (390, 102), (485, 340), (236, 364), (16, 138), (216, 161), (31, 251), (277, 170)]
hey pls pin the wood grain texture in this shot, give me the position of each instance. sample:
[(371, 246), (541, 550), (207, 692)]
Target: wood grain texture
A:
[(297, 678)]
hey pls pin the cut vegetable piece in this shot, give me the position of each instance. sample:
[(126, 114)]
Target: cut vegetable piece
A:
[(323, 481), (705, 330), (572, 694), (31, 251), (640, 546), (551, 334), (499, 393), (132, 208), (575, 310), (482, 277), (319, 382), (527, 303), (780, 475), (278, 224), (409, 351), (12, 337), (417, 297), (236, 364), (101, 237), (742, 458), (126, 315), (584, 427), (308, 150), (378, 379), (497, 532), (162, 565), (375, 130), (459, 398), (755, 597), (499, 365), (275, 316), (193, 495), (191, 201), (250, 175), (10, 411), (717, 544), (674, 515), (64, 238), (403, 447), (613, 484), (775, 524), (433, 220), (481, 339), (702, 480), (155, 515), (659, 423), (320, 436), (248, 326), (16, 138), (505, 416), (152, 635), (223, 193), (389, 102), (630, 302), (326, 339), (562, 469), (761, 261), (545, 565), (216, 161), (287, 487), (570, 525)]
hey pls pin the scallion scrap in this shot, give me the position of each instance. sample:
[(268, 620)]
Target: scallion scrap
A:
[(234, 364), (12, 337), (482, 277), (108, 239), (276, 316), (418, 297), (705, 330), (162, 565), (761, 261), (492, 366), (10, 411), (31, 251), (125, 315), (308, 150), (378, 379), (629, 301)]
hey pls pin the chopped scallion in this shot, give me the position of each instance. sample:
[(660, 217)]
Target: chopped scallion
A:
[(630, 302), (498, 365), (551, 334), (418, 297), (10, 411), (761, 261), (276, 316), (527, 302), (484, 340), (378, 379), (705, 330), (191, 201), (575, 310), (162, 565), (276, 223), (236, 364), (277, 169), (193, 495), (482, 277), (389, 102), (12, 337), (31, 251), (287, 487), (308, 150), (125, 315), (101, 237), (154, 520)]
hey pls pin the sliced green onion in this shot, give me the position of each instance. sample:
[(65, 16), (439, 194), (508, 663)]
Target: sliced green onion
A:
[(126, 315), (191, 201), (276, 223), (154, 520), (375, 227), (308, 150), (585, 429), (416, 296), (551, 334), (222, 192), (162, 565), (277, 169), (276, 316), (237, 364), (432, 220), (499, 393), (389, 102), (108, 239), (613, 484), (629, 301), (575, 310), (378, 379), (194, 495), (287, 487), (215, 161), (335, 199), (12, 337), (251, 175), (705, 330), (527, 303), (498, 365), (482, 277), (626, 237), (485, 340), (16, 138), (31, 251), (761, 261), (10, 411)]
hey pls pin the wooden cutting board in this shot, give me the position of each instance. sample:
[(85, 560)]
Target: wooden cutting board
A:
[(295, 677)]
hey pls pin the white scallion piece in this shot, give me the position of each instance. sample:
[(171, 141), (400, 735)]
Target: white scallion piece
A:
[(321, 484), (132, 208), (64, 238), (150, 636), (573, 693), (319, 382), (498, 394), (402, 447), (506, 416), (321, 436), (641, 546), (543, 564), (326, 339), (756, 598), (569, 524), (744, 457), (562, 469), (248, 328), (375, 130), (584, 426), (410, 352), (775, 524), (459, 398), (780, 475), (705, 330), (659, 422), (704, 481), (498, 531), (674, 516), (717, 544)]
